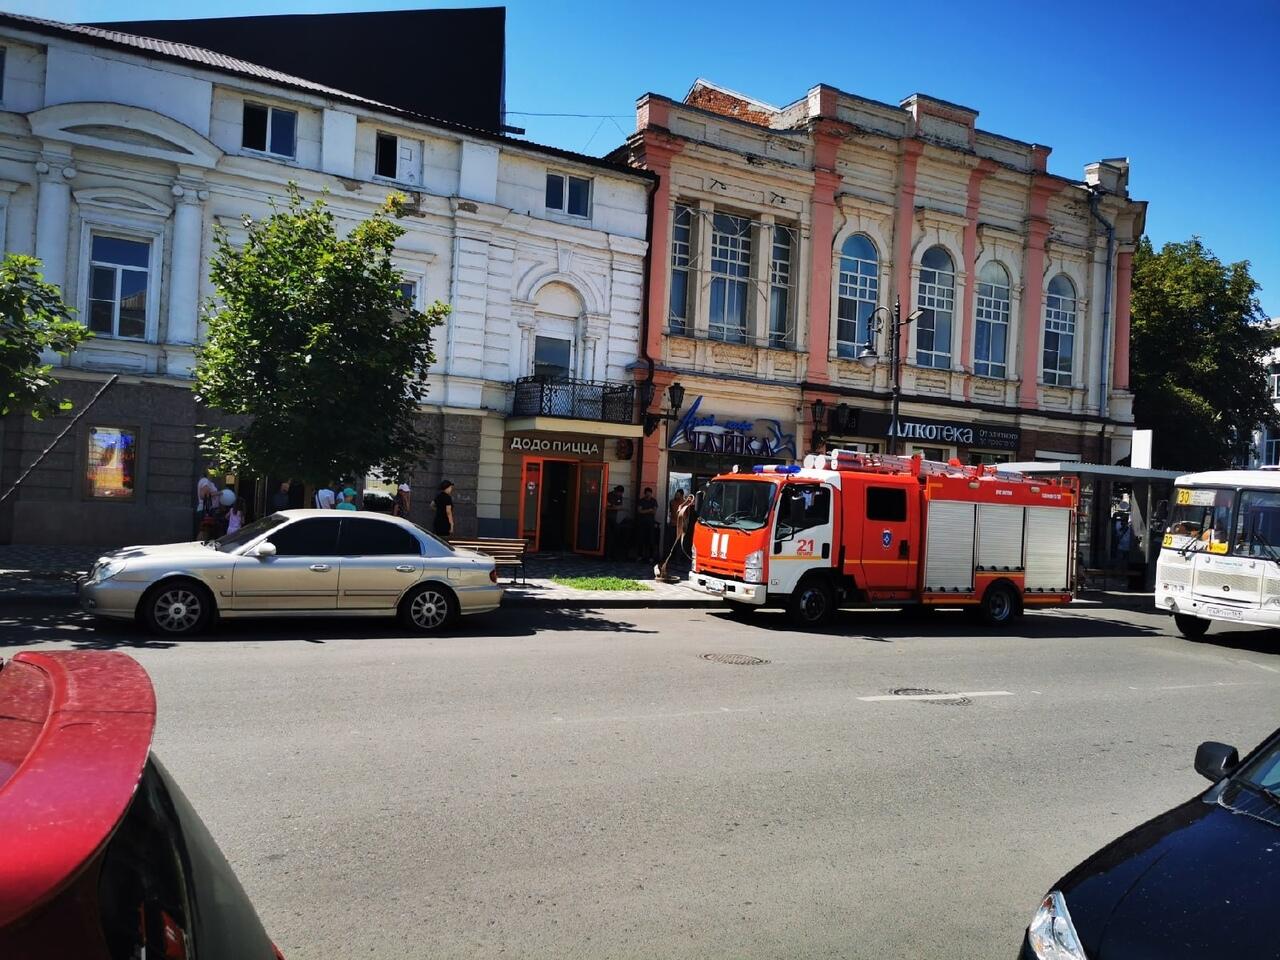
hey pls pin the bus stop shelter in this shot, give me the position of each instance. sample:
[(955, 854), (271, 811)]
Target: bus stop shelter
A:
[(1120, 521)]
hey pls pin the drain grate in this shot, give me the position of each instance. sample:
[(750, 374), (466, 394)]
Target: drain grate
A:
[(734, 659), (937, 697)]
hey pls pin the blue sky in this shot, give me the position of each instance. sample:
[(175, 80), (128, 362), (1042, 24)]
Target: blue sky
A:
[(1190, 92)]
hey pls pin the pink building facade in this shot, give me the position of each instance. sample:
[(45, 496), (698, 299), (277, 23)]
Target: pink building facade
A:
[(781, 238)]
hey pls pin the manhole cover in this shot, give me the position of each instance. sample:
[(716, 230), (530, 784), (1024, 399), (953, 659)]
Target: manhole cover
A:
[(938, 697), (736, 659)]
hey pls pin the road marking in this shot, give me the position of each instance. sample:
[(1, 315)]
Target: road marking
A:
[(651, 716), (1255, 663), (937, 696), (1199, 686)]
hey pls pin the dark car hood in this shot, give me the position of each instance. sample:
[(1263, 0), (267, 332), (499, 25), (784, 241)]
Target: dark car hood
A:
[(1200, 881)]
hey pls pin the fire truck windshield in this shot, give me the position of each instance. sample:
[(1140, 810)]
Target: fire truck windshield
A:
[(743, 504)]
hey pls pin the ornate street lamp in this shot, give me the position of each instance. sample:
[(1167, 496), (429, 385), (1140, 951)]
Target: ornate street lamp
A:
[(868, 357), (675, 398)]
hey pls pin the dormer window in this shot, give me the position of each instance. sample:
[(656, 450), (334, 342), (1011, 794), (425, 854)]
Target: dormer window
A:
[(397, 158), (270, 130), (571, 195)]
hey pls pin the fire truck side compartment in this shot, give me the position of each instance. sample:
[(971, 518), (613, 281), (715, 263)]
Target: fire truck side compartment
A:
[(948, 563), (1000, 537), (1048, 549)]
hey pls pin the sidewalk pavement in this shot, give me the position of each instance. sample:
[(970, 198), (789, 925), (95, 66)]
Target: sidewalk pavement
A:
[(47, 575)]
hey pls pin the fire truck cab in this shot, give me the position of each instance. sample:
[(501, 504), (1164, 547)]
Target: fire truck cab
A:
[(853, 529)]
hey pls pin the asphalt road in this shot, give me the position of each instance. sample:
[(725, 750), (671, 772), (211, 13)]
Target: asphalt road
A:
[(582, 784)]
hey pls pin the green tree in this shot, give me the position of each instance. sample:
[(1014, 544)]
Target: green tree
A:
[(1199, 347), (313, 348), (33, 319)]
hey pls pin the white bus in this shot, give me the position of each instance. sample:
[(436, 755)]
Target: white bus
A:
[(1220, 557)]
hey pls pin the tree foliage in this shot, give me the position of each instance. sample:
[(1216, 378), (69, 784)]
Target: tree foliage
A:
[(1199, 350), (33, 319), (313, 348)]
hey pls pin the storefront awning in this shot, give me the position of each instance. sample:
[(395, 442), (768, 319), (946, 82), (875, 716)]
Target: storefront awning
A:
[(595, 428), (1106, 471)]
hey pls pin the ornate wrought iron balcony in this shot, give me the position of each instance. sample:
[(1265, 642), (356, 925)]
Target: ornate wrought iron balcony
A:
[(575, 399)]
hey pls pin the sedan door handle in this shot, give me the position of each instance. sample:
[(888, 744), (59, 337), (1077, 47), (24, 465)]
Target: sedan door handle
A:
[(405, 567), (319, 567)]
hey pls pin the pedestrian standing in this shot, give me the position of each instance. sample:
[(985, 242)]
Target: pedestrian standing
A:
[(235, 517), (673, 508), (647, 526), (348, 499), (400, 508), (613, 503), (280, 499), (442, 526), (325, 498)]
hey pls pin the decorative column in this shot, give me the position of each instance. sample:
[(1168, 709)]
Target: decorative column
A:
[(54, 172), (972, 202), (1042, 188), (185, 261), (659, 150), (1124, 282), (522, 356), (827, 138), (902, 229), (595, 362)]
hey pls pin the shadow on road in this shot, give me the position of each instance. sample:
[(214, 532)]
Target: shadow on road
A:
[(888, 626), (1251, 639), (31, 628)]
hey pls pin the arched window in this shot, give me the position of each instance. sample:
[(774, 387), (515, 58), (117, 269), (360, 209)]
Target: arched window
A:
[(859, 293), (990, 351), (1059, 330), (937, 296)]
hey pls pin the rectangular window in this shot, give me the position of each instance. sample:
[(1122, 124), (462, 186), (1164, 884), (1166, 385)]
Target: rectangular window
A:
[(110, 462), (386, 155), (681, 260), (992, 333), (858, 295), (119, 274), (552, 358), (409, 290), (933, 329), (571, 195), (269, 130), (1271, 452), (730, 270), (887, 503), (3, 62), (983, 457), (1059, 338), (780, 288), (1275, 386), (803, 507)]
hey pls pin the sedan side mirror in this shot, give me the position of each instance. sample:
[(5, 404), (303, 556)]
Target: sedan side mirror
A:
[(265, 549), (1216, 760)]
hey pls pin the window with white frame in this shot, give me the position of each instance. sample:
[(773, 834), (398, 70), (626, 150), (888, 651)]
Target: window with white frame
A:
[(272, 130), (409, 291), (780, 286), (1275, 384), (936, 295), (730, 273), (397, 158), (991, 313), (571, 195), (1271, 451), (1059, 330), (681, 261), (119, 278), (859, 292)]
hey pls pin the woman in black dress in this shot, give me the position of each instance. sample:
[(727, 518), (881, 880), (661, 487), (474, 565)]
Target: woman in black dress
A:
[(443, 502)]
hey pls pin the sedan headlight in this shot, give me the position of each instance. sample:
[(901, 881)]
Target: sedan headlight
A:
[(753, 567), (1052, 934), (107, 569)]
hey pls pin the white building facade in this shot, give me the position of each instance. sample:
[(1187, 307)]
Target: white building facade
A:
[(118, 155)]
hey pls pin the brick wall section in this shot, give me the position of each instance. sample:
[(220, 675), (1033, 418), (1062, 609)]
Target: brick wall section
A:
[(727, 105)]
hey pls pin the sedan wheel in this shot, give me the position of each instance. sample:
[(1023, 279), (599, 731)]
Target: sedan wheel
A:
[(177, 609), (429, 608)]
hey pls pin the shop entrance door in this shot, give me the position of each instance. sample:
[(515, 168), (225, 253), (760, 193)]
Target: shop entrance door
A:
[(588, 523), (556, 509)]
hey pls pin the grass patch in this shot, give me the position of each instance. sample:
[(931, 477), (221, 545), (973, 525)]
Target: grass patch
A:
[(600, 583)]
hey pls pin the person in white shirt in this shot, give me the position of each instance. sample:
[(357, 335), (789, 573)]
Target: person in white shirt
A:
[(325, 499)]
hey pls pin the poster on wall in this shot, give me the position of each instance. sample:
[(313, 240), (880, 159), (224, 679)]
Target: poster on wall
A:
[(754, 437), (110, 463)]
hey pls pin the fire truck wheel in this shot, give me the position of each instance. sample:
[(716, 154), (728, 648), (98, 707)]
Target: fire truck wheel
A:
[(999, 605), (1193, 628), (812, 604)]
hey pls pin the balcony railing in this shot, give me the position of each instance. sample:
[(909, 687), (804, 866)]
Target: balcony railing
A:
[(575, 399)]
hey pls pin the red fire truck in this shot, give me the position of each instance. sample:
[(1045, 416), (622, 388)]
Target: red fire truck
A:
[(854, 529)]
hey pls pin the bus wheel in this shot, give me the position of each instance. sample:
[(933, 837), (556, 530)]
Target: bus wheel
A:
[(812, 604), (999, 605), (1193, 628)]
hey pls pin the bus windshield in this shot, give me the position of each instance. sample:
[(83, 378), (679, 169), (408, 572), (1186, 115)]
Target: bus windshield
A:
[(743, 504), (1201, 519)]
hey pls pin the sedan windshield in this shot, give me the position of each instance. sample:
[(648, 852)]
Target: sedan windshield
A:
[(233, 541), (743, 504)]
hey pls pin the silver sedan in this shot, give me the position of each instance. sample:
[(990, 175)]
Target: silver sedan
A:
[(295, 563)]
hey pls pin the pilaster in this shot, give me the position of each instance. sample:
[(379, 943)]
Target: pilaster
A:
[(54, 171)]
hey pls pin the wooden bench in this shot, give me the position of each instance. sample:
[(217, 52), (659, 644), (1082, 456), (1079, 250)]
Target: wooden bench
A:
[(505, 553)]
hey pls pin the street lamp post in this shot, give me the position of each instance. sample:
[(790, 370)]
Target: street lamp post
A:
[(868, 357)]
